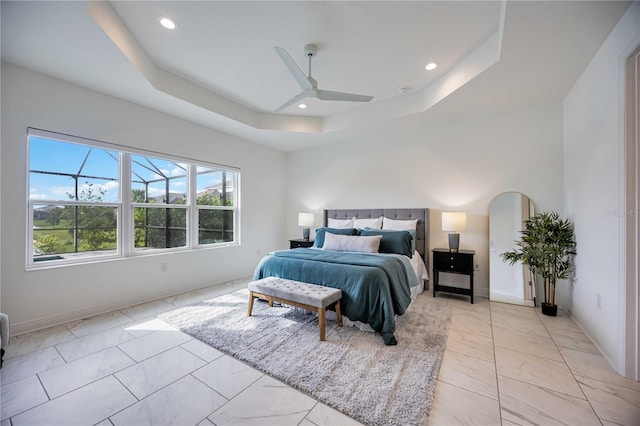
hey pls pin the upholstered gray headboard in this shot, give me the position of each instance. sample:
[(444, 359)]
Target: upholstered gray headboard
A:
[(422, 229)]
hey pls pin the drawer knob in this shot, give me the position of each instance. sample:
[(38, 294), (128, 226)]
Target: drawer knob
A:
[(451, 257), (451, 266)]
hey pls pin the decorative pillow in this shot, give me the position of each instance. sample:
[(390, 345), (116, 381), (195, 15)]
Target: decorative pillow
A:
[(320, 234), (398, 242), (399, 225), (413, 233), (375, 223), (340, 223), (370, 244)]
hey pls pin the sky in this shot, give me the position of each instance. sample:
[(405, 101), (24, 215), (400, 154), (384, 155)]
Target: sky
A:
[(62, 157)]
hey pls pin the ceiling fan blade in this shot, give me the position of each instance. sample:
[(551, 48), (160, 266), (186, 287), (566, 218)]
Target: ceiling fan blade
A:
[(292, 101), (328, 95), (295, 70)]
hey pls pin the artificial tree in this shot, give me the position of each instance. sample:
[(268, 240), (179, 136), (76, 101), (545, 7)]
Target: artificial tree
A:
[(547, 247)]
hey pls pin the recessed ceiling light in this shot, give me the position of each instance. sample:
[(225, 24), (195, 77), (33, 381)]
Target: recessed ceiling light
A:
[(302, 106), (167, 23), (431, 66)]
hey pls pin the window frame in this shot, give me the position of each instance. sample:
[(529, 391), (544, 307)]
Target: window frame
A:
[(125, 207), (195, 214)]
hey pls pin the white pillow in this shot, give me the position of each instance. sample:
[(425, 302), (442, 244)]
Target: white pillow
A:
[(399, 225), (351, 243), (375, 223), (340, 223)]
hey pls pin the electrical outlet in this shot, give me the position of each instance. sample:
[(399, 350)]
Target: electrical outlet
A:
[(598, 301), (164, 266)]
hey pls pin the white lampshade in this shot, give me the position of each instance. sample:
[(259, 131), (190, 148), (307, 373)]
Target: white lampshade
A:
[(454, 221), (305, 219)]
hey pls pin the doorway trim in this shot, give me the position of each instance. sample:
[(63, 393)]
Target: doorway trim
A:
[(630, 343)]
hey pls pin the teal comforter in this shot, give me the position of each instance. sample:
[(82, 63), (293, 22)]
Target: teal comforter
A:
[(375, 288)]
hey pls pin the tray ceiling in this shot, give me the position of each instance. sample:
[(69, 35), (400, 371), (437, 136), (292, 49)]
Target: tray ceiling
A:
[(219, 67)]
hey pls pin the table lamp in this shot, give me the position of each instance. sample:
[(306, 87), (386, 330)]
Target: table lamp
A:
[(453, 222), (305, 220)]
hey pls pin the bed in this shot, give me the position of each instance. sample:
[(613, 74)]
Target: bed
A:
[(376, 287)]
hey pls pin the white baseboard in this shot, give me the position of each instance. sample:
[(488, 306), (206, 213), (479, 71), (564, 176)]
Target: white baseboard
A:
[(78, 314), (612, 364), (481, 292), (497, 297)]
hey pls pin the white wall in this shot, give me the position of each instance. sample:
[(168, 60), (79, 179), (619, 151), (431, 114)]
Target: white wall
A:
[(36, 299), (413, 162), (593, 176)]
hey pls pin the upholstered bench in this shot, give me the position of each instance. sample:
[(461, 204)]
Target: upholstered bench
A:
[(295, 293)]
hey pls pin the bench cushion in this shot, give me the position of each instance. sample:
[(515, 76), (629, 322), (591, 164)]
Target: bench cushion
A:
[(310, 294)]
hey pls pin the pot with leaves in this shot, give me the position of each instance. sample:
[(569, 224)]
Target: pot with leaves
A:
[(547, 247)]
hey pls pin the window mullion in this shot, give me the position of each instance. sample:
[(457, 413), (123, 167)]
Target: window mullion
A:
[(192, 214), (236, 209), (125, 222)]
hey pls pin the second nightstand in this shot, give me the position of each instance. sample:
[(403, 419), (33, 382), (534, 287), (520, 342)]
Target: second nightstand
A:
[(301, 243), (460, 262)]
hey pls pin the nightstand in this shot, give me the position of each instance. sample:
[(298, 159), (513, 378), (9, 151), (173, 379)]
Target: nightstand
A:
[(301, 243), (460, 262)]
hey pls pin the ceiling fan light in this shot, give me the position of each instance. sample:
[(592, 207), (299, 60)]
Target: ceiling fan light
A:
[(167, 23), (431, 66)]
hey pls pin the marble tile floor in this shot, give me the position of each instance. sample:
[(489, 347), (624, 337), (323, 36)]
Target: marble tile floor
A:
[(503, 365)]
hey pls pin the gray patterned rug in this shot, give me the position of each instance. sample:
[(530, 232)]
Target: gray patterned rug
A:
[(352, 371)]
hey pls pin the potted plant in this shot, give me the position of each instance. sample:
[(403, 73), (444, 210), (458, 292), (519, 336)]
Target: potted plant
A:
[(547, 247)]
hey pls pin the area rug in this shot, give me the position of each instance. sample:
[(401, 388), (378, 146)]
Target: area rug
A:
[(352, 371)]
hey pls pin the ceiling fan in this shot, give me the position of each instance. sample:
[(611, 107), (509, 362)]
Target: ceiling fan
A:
[(309, 85)]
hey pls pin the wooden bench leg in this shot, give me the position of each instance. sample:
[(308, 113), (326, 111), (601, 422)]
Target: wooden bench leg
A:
[(250, 303), (322, 312), (322, 323)]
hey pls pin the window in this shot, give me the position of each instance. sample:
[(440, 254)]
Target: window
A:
[(80, 192), (75, 205), (159, 199), (215, 203)]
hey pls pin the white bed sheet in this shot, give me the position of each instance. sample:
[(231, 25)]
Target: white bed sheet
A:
[(419, 267)]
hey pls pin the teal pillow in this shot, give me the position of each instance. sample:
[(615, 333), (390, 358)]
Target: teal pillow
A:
[(411, 231), (413, 239), (398, 242), (319, 241)]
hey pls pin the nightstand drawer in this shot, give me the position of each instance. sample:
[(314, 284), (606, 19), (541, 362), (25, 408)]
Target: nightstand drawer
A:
[(455, 262), (301, 243)]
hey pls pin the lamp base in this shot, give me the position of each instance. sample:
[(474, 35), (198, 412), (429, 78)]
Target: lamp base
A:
[(305, 233), (454, 242)]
